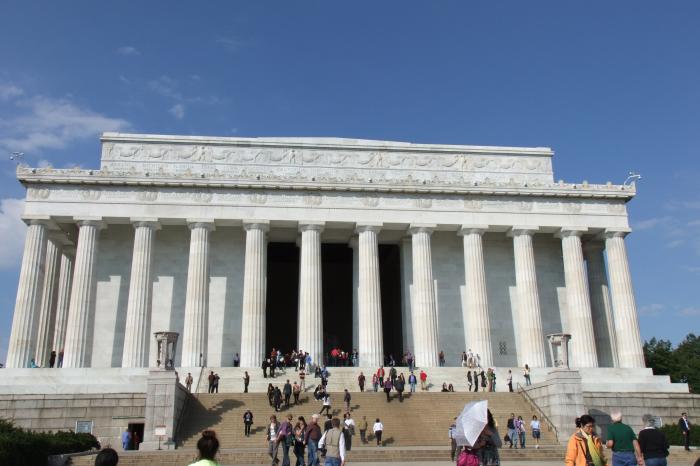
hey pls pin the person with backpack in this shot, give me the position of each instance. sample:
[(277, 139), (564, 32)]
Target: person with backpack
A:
[(285, 438), (333, 442), (349, 430)]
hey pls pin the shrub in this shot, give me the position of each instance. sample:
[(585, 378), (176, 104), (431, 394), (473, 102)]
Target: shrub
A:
[(21, 446), (675, 437)]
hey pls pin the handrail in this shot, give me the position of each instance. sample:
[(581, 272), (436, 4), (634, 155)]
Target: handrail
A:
[(185, 406), (537, 408)]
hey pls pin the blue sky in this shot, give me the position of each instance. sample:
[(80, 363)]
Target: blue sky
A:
[(610, 86)]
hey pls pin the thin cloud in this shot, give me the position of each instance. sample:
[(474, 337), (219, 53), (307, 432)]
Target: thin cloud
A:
[(229, 43), (9, 91), (651, 223), (47, 123), (690, 311), (651, 309), (178, 111), (165, 86), (12, 231), (128, 50)]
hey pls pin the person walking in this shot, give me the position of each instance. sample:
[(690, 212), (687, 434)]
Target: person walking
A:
[(247, 422), (441, 358), (296, 391), (535, 428), (412, 380), (287, 393), (210, 379), (512, 433), (423, 380), (483, 380), (246, 382), (399, 386), (277, 399), (312, 435), (509, 381), (216, 383), (346, 400), (451, 434), (380, 375), (326, 404), (584, 447), (469, 381), (361, 381), (526, 374), (520, 428), (653, 444), (363, 429), (684, 425), (375, 382), (387, 389), (623, 442), (273, 429), (285, 438), (378, 429), (333, 441), (188, 382), (299, 429), (302, 380), (349, 429), (476, 381)]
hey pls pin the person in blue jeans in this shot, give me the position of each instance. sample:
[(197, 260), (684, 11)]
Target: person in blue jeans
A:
[(623, 442), (311, 437)]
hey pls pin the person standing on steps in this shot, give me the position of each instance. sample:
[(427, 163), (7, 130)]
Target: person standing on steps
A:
[(361, 381), (349, 429), (412, 381), (483, 380), (441, 358), (277, 398), (400, 385), (273, 429), (333, 441), (302, 380), (246, 382), (378, 429), (476, 381), (326, 404), (375, 382), (287, 393), (380, 374), (210, 379), (346, 399), (387, 389), (264, 367), (535, 428), (684, 425), (188, 382), (296, 390), (526, 374), (312, 435), (236, 360), (509, 381), (512, 433), (299, 430), (247, 422), (520, 428), (285, 438), (392, 375), (423, 380), (469, 381), (451, 433), (363, 429)]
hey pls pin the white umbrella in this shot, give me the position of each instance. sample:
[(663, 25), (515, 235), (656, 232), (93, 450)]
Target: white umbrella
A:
[(471, 422)]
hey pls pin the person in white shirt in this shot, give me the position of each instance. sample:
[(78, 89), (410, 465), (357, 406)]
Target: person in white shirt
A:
[(326, 404), (333, 441), (350, 427), (378, 429), (535, 427)]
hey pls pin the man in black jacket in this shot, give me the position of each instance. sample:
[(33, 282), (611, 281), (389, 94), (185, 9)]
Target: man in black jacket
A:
[(287, 390), (684, 425)]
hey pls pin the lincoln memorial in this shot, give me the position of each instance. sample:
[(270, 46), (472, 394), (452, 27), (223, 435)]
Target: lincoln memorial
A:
[(244, 244)]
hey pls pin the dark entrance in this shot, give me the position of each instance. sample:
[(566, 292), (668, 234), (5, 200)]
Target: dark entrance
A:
[(336, 263), (390, 281), (282, 297)]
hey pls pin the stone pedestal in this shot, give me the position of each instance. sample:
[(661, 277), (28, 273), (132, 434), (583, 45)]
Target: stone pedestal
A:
[(565, 401), (165, 402), (559, 349)]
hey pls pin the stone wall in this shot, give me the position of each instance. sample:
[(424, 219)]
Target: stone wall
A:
[(111, 412)]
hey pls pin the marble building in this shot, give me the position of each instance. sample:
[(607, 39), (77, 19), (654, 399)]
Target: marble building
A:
[(242, 244)]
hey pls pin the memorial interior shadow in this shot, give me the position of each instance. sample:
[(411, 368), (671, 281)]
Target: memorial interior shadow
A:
[(390, 282), (336, 264), (282, 296)]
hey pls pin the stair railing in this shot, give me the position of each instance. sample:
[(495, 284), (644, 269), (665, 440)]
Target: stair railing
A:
[(185, 406), (540, 412)]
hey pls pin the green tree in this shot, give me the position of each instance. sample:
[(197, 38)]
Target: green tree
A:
[(682, 363)]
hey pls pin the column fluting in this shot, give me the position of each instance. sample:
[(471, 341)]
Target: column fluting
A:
[(583, 347), (531, 349), (254, 293), (629, 342), (31, 279), (475, 312), (310, 330), (601, 308), (194, 341), (47, 309), (77, 347), (371, 339), (138, 311), (423, 300), (65, 280)]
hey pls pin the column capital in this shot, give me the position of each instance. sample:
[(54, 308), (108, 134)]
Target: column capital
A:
[(565, 232), (40, 220), (518, 230), (90, 222), (593, 246), (472, 229), (251, 224), (354, 242), (311, 226), (368, 226), (206, 223), (145, 222), (616, 232), (421, 228)]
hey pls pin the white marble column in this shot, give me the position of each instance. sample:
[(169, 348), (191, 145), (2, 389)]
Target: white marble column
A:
[(531, 349), (65, 281), (310, 334), (354, 245), (475, 312), (629, 342), (47, 309), (77, 350), (583, 348), (138, 310), (254, 293), (194, 341), (601, 308), (31, 280), (423, 300), (371, 338)]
